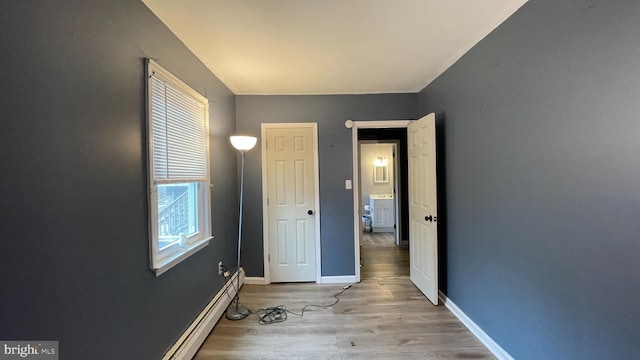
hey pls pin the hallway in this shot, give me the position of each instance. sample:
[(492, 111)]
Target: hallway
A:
[(380, 258)]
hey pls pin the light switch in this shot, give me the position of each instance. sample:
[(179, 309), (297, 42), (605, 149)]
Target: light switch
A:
[(347, 184)]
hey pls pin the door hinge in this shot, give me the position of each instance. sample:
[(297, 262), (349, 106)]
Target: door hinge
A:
[(268, 257), (267, 201)]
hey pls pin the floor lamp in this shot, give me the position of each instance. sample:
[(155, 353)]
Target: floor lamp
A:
[(242, 144)]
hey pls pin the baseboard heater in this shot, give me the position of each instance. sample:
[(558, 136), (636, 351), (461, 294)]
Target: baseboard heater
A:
[(189, 343)]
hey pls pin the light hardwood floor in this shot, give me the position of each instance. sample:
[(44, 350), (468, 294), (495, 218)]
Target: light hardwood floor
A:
[(381, 238), (381, 260), (383, 317)]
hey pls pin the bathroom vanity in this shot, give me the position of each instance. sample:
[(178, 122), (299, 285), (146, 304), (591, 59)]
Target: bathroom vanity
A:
[(382, 212)]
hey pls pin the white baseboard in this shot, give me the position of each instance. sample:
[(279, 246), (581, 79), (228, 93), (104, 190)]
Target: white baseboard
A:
[(189, 343), (338, 279), (493, 346), (254, 281)]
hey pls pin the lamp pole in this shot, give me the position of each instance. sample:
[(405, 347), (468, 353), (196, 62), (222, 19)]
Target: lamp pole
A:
[(239, 312)]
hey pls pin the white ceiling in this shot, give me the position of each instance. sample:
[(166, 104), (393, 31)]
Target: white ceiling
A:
[(330, 46)]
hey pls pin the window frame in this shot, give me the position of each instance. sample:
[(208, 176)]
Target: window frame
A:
[(163, 259)]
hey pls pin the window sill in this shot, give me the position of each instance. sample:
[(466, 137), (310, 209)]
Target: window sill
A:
[(167, 263)]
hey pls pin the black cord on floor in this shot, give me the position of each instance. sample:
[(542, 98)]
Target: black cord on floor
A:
[(271, 315), (278, 313)]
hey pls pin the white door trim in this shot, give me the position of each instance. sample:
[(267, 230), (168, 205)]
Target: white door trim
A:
[(265, 208), (355, 125)]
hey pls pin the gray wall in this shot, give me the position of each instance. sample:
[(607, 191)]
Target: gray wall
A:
[(335, 155), (73, 191), (541, 133)]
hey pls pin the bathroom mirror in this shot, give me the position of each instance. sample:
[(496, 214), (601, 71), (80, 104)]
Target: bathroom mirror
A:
[(380, 173)]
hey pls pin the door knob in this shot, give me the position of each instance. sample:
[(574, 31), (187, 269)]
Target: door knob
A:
[(310, 212), (428, 218)]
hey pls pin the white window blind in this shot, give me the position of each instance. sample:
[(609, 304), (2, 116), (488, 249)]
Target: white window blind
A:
[(178, 121), (178, 143)]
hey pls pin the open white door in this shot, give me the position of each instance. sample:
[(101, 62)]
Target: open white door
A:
[(423, 232)]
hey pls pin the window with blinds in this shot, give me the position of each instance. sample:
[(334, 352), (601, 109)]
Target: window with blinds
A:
[(179, 201)]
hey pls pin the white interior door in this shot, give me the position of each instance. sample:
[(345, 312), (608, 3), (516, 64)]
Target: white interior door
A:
[(291, 203), (423, 233)]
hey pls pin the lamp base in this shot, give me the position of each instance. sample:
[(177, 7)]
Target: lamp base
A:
[(237, 313)]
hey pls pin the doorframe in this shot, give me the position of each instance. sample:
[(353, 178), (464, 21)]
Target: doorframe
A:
[(397, 191), (265, 208), (355, 126)]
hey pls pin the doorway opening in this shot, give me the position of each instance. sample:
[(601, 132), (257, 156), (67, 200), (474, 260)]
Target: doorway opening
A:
[(421, 195), (383, 173), (379, 191), (374, 184)]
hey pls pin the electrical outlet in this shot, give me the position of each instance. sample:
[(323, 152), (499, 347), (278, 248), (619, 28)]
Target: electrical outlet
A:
[(220, 268)]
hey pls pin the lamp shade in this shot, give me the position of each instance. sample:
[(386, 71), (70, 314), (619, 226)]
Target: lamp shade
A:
[(243, 143)]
